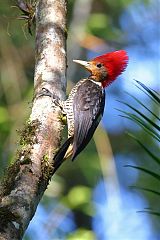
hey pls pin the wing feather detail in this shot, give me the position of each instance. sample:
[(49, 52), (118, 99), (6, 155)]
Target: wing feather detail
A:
[(88, 107)]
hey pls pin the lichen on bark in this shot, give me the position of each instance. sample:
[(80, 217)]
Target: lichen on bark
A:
[(27, 177)]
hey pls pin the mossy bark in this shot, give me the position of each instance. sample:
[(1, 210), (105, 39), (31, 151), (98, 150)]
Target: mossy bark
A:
[(27, 178)]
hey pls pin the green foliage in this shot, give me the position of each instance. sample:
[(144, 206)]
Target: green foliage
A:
[(79, 197), (149, 122), (81, 234)]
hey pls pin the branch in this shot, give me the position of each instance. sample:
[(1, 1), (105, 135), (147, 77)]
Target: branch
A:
[(27, 178)]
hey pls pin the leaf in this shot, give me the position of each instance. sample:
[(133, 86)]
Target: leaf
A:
[(150, 92), (155, 158), (146, 189), (142, 115), (150, 212), (151, 173), (137, 100), (141, 123), (150, 127)]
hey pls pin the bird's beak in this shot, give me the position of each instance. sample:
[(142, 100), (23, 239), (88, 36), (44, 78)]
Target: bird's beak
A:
[(85, 64)]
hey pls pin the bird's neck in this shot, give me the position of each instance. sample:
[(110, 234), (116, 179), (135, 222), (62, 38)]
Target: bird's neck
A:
[(98, 83)]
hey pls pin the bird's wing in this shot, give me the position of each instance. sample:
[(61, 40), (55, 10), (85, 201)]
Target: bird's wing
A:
[(88, 107)]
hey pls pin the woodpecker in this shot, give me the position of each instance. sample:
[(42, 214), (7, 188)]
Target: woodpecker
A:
[(85, 104)]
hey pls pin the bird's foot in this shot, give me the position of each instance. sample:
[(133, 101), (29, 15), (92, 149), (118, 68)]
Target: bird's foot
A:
[(45, 92), (56, 101), (63, 118)]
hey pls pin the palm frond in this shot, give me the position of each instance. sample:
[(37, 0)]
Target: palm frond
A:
[(149, 122), (150, 212), (140, 122), (149, 92), (146, 189), (143, 105), (145, 170), (151, 154)]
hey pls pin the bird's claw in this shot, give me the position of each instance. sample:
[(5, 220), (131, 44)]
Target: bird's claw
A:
[(45, 92), (63, 118)]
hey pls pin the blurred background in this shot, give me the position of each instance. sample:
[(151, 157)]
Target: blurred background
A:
[(91, 198)]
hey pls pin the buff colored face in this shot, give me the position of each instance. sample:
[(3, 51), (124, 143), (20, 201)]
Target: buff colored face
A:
[(98, 70)]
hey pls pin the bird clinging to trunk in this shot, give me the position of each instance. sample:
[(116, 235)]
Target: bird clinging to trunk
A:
[(85, 104)]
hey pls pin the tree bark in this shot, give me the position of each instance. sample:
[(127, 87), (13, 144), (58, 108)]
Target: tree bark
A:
[(27, 178)]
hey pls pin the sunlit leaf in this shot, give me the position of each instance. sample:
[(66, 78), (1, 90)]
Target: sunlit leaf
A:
[(4, 116), (81, 234), (79, 195)]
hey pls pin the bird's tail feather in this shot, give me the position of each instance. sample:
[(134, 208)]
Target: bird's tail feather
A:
[(59, 157)]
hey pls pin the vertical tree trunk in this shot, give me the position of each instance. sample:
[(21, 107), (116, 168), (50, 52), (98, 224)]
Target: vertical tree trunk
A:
[(27, 178)]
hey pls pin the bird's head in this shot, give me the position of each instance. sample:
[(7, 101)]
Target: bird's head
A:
[(106, 68)]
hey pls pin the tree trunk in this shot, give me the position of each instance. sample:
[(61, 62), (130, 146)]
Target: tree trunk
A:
[(27, 178)]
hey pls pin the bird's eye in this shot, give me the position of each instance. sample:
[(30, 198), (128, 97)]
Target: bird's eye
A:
[(99, 65)]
